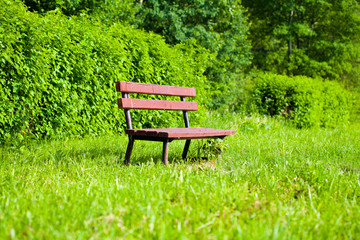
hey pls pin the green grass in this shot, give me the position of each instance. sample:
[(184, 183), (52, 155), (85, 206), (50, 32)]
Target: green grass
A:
[(271, 181)]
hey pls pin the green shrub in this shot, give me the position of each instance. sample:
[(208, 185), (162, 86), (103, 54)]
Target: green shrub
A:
[(305, 101), (105, 10), (67, 7), (219, 26), (58, 74)]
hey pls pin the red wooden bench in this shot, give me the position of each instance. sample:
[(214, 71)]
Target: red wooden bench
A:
[(164, 135)]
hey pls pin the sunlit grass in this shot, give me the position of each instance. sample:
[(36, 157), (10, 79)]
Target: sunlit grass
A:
[(271, 181)]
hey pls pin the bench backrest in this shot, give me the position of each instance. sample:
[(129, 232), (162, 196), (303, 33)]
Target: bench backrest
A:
[(127, 103)]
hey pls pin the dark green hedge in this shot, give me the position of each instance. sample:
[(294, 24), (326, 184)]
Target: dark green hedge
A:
[(58, 74), (305, 101)]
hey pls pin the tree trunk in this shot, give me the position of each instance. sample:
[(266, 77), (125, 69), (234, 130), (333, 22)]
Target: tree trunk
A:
[(289, 41)]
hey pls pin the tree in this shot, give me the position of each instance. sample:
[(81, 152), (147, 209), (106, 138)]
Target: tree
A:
[(306, 37), (218, 25)]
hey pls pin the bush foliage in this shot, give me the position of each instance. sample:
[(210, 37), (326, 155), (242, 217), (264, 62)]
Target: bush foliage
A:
[(58, 74), (58, 69), (305, 101), (107, 11)]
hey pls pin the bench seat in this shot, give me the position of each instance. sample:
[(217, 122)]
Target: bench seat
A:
[(179, 133), (164, 135)]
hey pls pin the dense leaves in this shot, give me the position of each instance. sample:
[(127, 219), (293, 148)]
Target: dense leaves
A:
[(59, 59), (68, 7), (305, 101), (58, 74), (216, 25), (105, 10), (316, 38)]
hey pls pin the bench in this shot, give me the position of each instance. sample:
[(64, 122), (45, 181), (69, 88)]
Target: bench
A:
[(165, 135)]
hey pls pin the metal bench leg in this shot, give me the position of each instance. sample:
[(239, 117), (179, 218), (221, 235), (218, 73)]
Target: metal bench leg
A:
[(186, 149), (165, 151), (129, 150)]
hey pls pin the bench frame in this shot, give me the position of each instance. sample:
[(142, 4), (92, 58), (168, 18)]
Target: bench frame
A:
[(126, 103)]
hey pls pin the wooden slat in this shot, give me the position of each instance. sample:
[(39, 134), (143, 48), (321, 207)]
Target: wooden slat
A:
[(180, 133), (128, 103), (145, 88)]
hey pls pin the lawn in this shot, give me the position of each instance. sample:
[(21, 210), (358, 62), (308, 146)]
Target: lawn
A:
[(271, 181)]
